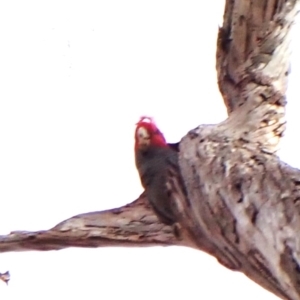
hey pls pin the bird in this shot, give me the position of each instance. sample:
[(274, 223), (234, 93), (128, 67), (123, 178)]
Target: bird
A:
[(158, 166)]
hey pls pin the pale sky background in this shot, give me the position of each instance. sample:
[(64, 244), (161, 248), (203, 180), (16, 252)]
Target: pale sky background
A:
[(75, 78)]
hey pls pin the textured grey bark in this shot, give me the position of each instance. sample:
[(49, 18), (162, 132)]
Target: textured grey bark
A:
[(243, 202), (132, 225)]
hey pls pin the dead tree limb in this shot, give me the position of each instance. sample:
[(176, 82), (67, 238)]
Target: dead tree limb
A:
[(243, 202)]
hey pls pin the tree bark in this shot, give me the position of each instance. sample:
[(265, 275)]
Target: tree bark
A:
[(243, 202), (133, 225)]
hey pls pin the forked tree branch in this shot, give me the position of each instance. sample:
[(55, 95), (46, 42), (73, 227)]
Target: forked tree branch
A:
[(243, 202)]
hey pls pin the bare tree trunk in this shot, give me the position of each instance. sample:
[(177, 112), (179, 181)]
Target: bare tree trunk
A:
[(243, 202)]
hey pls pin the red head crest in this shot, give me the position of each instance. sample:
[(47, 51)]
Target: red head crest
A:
[(147, 134)]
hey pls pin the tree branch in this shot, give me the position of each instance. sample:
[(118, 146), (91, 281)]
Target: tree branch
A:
[(253, 65), (243, 203), (133, 225)]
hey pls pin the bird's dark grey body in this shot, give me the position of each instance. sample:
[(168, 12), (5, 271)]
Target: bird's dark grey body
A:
[(154, 165)]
